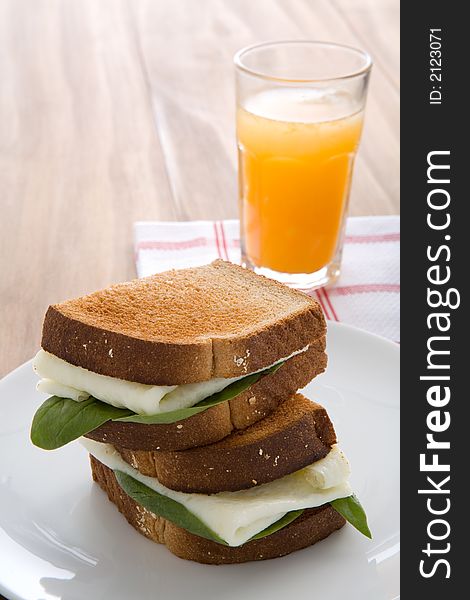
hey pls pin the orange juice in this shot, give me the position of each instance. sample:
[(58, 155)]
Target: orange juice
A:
[(296, 153)]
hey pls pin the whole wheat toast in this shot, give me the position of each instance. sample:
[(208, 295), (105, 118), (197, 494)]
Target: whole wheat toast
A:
[(217, 422), (184, 326), (312, 526), (298, 433)]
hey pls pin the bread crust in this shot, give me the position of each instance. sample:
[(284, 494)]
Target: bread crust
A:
[(219, 421), (312, 526), (298, 433), (111, 332)]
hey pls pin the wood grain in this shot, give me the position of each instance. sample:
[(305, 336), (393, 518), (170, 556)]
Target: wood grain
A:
[(116, 110)]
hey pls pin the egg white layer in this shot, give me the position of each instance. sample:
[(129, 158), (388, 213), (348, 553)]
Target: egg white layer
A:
[(60, 378), (238, 516)]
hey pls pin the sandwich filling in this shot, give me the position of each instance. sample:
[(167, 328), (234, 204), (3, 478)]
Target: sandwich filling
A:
[(62, 379), (237, 516)]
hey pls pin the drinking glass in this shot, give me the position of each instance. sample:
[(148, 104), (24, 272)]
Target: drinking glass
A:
[(300, 109)]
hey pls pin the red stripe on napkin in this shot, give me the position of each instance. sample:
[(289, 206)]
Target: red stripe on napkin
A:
[(366, 289), (330, 305), (322, 304), (217, 240), (224, 241), (372, 239), (159, 245)]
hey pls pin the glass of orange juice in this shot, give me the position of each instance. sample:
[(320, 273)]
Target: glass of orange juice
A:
[(300, 108)]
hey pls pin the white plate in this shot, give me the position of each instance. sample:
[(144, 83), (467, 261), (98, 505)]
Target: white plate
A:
[(61, 538)]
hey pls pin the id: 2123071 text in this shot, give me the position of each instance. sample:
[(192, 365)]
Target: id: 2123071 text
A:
[(435, 66)]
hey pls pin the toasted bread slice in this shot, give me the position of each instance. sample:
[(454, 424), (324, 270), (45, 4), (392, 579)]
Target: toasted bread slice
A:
[(219, 421), (298, 433), (185, 326), (312, 526)]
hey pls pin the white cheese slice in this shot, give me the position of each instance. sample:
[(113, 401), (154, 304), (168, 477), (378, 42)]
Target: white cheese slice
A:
[(53, 388), (329, 471), (237, 516), (142, 399), (60, 378)]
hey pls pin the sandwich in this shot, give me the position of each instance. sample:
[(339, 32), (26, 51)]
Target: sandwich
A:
[(183, 388)]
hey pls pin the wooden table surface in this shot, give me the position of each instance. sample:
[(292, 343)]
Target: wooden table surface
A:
[(113, 111)]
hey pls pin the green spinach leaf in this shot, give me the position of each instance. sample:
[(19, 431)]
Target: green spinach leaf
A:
[(179, 515), (165, 507), (232, 390), (353, 512), (58, 421)]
